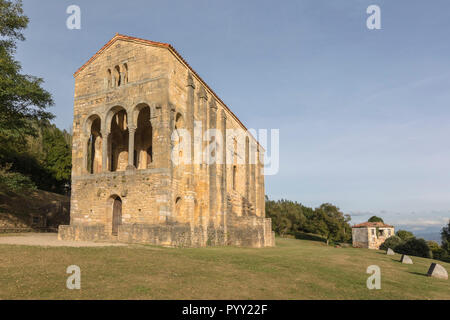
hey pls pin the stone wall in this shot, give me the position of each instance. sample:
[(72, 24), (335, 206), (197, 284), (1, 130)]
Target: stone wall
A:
[(242, 231), (360, 237), (368, 238)]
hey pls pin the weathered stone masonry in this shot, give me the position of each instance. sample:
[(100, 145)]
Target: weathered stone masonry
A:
[(129, 99), (371, 234)]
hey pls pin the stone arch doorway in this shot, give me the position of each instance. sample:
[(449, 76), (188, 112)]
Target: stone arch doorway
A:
[(116, 215)]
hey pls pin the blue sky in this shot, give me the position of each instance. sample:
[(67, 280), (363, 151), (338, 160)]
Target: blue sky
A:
[(364, 115)]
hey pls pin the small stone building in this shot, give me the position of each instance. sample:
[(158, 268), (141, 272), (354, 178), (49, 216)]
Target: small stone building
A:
[(134, 101), (371, 234)]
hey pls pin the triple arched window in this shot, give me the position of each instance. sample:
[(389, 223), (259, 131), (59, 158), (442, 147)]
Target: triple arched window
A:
[(117, 76)]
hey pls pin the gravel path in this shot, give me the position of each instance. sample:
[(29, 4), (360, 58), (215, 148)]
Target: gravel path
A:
[(49, 240)]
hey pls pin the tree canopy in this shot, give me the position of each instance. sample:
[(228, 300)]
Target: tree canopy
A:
[(22, 98), (33, 152), (291, 218), (375, 219), (404, 235), (445, 236)]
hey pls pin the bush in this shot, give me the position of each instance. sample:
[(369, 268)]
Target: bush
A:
[(415, 247), (404, 235), (391, 242), (15, 181), (440, 254), (375, 219)]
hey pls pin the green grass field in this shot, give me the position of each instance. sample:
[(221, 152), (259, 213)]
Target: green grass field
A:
[(295, 269)]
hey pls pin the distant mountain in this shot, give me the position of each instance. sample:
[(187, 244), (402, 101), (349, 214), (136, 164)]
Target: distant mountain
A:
[(430, 236), (431, 233)]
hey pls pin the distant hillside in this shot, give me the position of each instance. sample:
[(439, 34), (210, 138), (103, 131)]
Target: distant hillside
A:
[(432, 233), (33, 209), (432, 236)]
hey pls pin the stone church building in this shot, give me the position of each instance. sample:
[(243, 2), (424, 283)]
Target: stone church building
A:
[(133, 99)]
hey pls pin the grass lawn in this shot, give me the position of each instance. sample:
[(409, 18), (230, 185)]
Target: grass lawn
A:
[(295, 269)]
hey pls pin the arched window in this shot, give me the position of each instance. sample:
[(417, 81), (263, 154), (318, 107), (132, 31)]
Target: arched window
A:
[(94, 146), (119, 141), (234, 177), (197, 212), (143, 139), (109, 79), (179, 124), (235, 156), (117, 76), (125, 73), (178, 207)]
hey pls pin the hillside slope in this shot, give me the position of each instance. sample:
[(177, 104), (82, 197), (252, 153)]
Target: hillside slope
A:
[(295, 269), (32, 209)]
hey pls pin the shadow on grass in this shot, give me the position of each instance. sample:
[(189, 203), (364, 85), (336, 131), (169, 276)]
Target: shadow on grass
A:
[(419, 274), (309, 236)]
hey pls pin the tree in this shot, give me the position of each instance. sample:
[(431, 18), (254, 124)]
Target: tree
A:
[(30, 148), (391, 242), (331, 223), (404, 235), (290, 217), (437, 251), (445, 236), (375, 219), (415, 247), (21, 96), (57, 153)]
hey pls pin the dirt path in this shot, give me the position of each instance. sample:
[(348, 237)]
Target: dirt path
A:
[(49, 240)]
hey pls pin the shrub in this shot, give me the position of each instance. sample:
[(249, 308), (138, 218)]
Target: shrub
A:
[(391, 242), (404, 235), (433, 245), (440, 254), (375, 219), (15, 181), (415, 247)]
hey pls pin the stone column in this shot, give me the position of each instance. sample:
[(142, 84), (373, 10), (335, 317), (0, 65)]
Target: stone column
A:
[(213, 166), (190, 128), (202, 198), (164, 124), (247, 168), (85, 144), (131, 132), (157, 131), (252, 174), (224, 163), (166, 137), (224, 174), (257, 185), (105, 142), (261, 186)]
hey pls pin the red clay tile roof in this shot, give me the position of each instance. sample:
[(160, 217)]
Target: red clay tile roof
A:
[(372, 225), (172, 50)]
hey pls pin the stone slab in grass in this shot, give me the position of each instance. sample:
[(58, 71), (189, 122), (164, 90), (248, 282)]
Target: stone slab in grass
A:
[(406, 260), (390, 252), (437, 271)]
